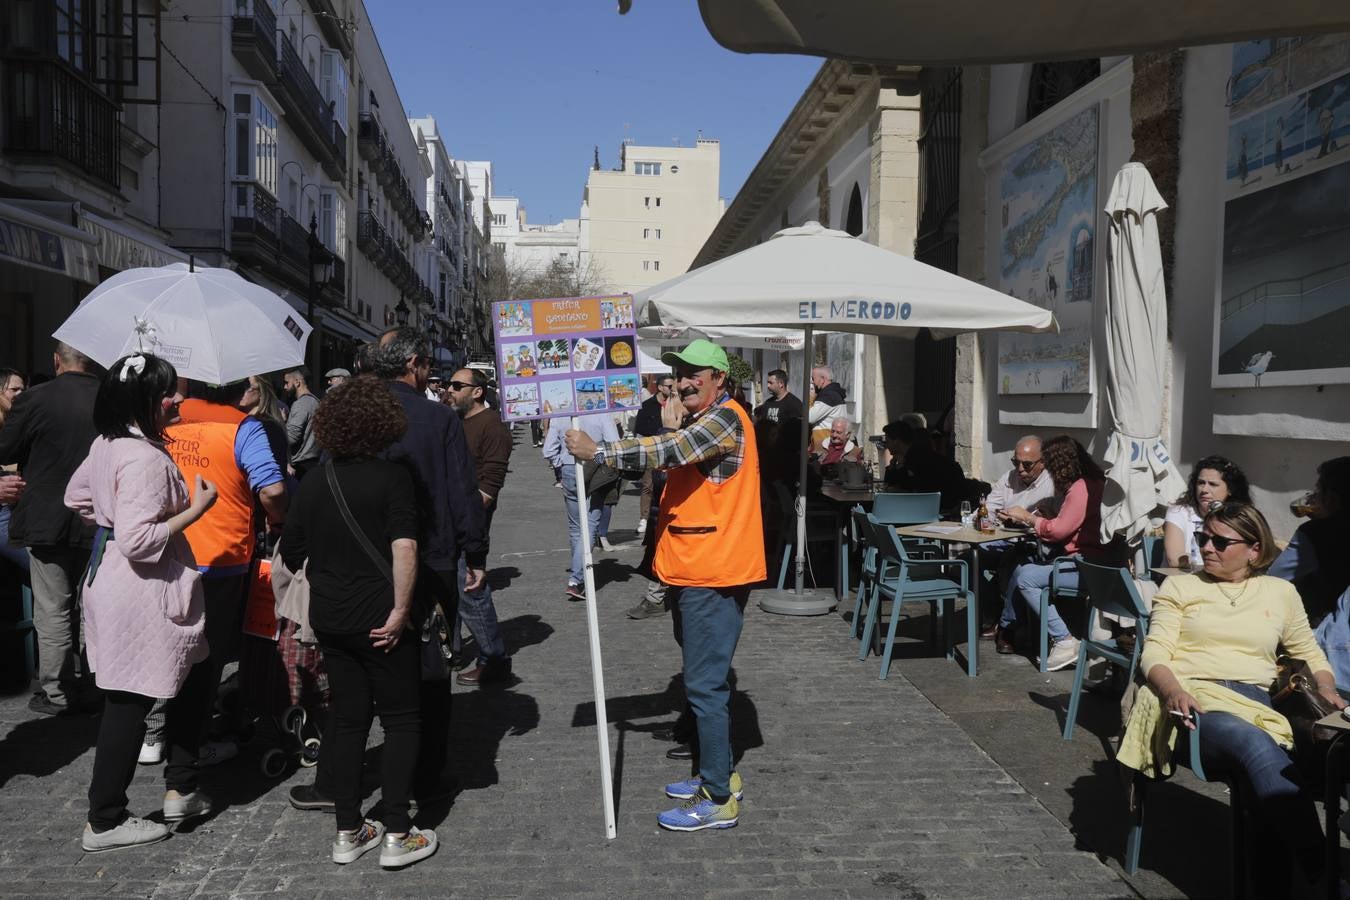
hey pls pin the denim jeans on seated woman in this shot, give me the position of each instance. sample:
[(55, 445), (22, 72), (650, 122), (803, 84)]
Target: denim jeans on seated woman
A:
[(1027, 581), (1284, 819)]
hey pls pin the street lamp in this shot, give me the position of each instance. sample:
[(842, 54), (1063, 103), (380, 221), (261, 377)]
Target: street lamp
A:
[(401, 313), (320, 273)]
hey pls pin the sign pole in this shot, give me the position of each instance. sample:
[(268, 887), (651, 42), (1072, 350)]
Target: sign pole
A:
[(593, 629)]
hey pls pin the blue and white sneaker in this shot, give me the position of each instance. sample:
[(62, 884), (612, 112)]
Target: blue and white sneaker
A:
[(685, 790), (700, 812)]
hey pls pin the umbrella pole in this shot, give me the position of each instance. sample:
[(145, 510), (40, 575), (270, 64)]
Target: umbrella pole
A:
[(800, 504)]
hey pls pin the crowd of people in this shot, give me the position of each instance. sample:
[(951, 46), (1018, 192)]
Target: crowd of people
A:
[(132, 483)]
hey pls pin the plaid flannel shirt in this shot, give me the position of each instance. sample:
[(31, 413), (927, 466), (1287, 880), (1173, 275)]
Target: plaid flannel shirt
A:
[(712, 439)]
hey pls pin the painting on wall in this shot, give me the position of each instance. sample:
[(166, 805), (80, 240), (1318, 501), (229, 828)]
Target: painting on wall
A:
[(1049, 213), (1283, 304)]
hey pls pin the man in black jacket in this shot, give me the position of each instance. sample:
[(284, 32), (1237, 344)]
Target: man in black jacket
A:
[(48, 432), (648, 423)]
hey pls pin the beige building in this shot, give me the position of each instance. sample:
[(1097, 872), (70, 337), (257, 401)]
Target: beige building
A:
[(645, 220), (849, 155)]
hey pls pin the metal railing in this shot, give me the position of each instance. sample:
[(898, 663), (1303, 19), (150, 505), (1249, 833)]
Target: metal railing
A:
[(259, 26), (254, 214), (47, 109), (304, 94)]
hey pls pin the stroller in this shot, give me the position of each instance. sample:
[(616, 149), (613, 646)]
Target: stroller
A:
[(282, 681)]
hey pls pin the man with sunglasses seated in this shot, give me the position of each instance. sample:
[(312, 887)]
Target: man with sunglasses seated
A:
[(1028, 485)]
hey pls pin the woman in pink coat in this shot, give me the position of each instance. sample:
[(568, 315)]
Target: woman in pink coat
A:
[(143, 607)]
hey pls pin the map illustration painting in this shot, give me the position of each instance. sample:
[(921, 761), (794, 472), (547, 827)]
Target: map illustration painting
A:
[(1049, 212)]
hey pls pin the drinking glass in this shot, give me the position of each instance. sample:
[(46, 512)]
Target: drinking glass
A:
[(1302, 506), (966, 513)]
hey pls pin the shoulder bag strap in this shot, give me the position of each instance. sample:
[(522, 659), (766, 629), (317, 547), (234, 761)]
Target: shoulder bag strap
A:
[(380, 562)]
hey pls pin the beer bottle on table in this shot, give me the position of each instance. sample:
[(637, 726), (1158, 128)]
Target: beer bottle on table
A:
[(983, 521)]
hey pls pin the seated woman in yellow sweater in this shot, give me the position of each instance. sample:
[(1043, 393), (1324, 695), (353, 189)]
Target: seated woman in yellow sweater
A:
[(1211, 648)]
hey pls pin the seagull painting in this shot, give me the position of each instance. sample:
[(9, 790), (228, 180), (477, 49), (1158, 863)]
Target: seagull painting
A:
[(1258, 365)]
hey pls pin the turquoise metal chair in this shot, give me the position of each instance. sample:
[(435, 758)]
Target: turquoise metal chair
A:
[(906, 509), (1109, 590), (1055, 592), (867, 563), (1139, 787), (896, 581)]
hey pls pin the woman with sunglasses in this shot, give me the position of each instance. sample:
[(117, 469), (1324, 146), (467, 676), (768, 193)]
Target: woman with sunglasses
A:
[(1213, 480), (1211, 648)]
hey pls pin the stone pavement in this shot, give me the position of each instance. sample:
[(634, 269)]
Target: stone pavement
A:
[(854, 786)]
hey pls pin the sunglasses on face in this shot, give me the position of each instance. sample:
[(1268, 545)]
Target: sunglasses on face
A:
[(1026, 464), (460, 385), (1203, 539)]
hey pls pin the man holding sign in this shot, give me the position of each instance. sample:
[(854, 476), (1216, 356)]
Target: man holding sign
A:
[(710, 547)]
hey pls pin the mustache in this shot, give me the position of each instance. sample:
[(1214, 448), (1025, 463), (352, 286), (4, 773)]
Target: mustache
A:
[(688, 392)]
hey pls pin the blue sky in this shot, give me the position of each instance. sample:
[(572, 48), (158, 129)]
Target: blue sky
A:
[(534, 85)]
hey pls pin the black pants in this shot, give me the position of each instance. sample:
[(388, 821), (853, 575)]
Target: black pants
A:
[(119, 744), (364, 680), (225, 599)]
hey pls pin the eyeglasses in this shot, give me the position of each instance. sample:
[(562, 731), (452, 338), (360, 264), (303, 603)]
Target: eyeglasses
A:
[(1203, 538), (1026, 464), (460, 385)]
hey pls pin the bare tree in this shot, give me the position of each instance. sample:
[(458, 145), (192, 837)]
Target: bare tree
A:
[(561, 278)]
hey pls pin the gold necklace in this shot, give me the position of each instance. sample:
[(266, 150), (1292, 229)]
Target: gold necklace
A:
[(1233, 598)]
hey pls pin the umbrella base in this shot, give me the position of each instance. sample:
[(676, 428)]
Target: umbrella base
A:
[(787, 602)]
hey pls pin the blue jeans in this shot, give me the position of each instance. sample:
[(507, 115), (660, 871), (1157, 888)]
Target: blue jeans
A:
[(1284, 817), (477, 612), (1028, 580), (602, 527), (16, 555), (569, 483), (711, 620)]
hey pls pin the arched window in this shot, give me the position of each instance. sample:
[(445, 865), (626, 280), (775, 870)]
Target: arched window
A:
[(1052, 82), (853, 221)]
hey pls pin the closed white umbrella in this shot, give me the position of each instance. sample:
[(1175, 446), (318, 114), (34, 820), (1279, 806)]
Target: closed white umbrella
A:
[(1140, 473), (812, 277), (212, 325)]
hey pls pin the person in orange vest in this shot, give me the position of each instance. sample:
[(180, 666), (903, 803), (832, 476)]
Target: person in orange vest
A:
[(709, 547), (215, 439)]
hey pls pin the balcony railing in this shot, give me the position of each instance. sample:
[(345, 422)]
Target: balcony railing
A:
[(254, 217), (371, 237), (302, 98), (254, 38), (47, 110), (369, 138)]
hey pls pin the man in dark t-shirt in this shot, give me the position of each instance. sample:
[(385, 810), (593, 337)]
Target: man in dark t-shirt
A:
[(782, 403)]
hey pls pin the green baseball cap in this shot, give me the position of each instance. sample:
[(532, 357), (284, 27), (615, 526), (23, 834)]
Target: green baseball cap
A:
[(701, 353)]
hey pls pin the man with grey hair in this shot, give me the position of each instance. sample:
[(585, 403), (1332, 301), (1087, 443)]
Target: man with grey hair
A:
[(47, 433), (828, 401), (1026, 484)]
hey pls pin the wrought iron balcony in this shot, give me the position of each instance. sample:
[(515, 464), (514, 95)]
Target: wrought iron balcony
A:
[(254, 39), (369, 138), (50, 112), (312, 116), (337, 167), (265, 236), (371, 237)]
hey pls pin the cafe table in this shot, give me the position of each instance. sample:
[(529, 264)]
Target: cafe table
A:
[(845, 498)]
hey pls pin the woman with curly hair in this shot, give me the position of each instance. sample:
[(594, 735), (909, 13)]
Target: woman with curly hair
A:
[(361, 592), (1214, 480), (1075, 530)]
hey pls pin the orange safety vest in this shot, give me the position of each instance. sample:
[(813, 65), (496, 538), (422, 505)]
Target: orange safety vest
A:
[(202, 443), (712, 535)]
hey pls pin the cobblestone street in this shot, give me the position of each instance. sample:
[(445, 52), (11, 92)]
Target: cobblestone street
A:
[(854, 787)]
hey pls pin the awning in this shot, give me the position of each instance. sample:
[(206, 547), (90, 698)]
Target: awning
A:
[(29, 238), (122, 245), (953, 32)]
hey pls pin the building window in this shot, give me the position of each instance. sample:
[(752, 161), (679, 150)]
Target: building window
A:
[(658, 201), (499, 220), (646, 265), (335, 85), (646, 233), (647, 168), (255, 142), (647, 202), (658, 234), (333, 221), (1052, 82), (73, 38), (499, 246), (656, 265)]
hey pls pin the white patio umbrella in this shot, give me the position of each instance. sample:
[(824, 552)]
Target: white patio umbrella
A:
[(211, 324), (780, 339), (812, 277), (1140, 471)]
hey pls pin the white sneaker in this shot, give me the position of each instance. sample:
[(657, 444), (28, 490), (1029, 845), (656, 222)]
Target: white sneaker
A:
[(351, 844), (1062, 655), (642, 527), (213, 753), (131, 833), (606, 545), (152, 753)]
